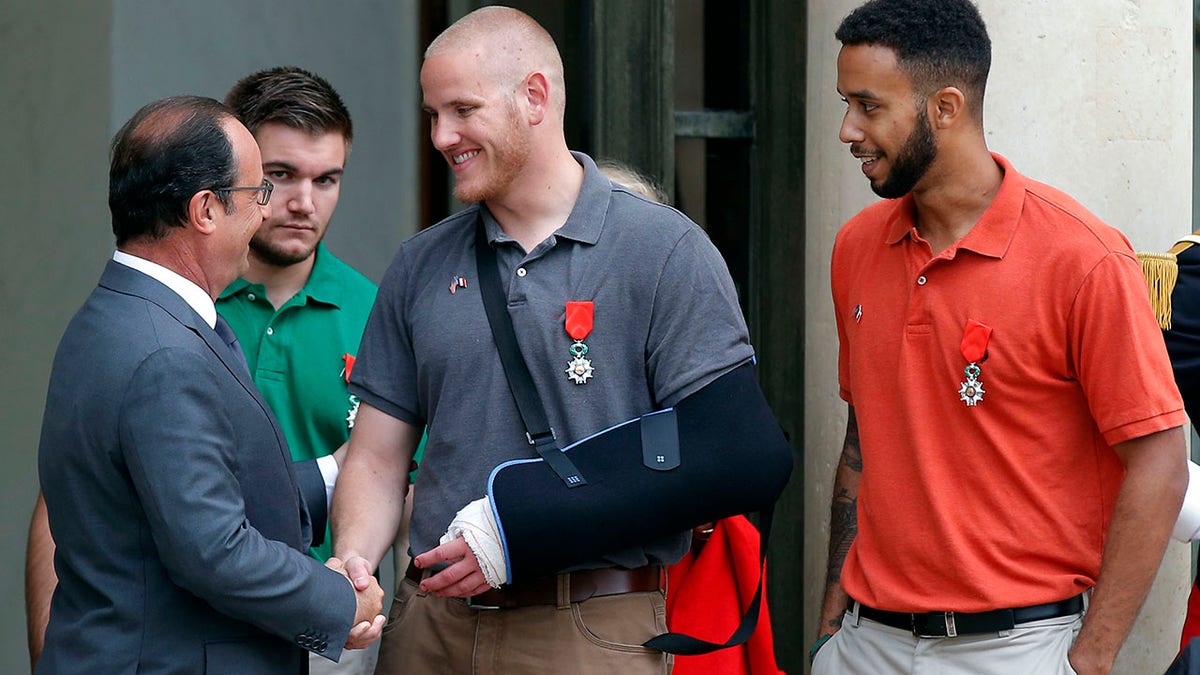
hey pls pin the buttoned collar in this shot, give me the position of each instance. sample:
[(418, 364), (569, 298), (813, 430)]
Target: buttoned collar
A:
[(323, 284), (586, 221), (994, 231)]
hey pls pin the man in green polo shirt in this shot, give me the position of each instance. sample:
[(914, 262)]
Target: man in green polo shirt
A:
[(298, 311)]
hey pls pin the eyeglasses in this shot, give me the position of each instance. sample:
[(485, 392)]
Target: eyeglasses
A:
[(264, 191)]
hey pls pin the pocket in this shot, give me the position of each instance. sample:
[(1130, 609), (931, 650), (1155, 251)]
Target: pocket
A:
[(818, 660), (400, 604), (621, 622)]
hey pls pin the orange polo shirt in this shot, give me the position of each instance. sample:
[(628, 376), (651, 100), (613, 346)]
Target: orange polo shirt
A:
[(1006, 502)]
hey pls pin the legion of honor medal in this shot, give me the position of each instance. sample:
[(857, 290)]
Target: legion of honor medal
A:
[(352, 412), (578, 322), (974, 350)]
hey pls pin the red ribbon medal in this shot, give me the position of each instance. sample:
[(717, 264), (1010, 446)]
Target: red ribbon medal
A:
[(352, 413), (974, 349), (578, 321)]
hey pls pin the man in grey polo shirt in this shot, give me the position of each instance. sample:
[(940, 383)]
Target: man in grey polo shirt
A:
[(663, 323)]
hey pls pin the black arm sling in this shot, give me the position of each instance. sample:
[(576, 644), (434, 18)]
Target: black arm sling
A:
[(542, 437)]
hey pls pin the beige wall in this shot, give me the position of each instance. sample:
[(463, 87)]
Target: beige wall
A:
[(1094, 98)]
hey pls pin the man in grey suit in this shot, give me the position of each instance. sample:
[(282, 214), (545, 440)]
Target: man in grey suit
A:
[(180, 528)]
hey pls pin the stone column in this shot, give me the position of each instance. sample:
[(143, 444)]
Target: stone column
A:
[(1094, 98)]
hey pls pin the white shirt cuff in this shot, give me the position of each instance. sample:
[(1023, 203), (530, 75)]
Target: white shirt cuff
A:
[(328, 467), (1187, 526)]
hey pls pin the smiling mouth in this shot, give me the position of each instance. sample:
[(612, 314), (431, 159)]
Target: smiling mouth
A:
[(459, 159)]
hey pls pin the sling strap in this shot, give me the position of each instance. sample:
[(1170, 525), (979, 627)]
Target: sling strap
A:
[(538, 431)]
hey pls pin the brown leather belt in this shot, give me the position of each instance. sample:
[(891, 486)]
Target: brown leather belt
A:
[(575, 587)]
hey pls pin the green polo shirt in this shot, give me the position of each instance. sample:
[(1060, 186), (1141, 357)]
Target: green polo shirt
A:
[(297, 354)]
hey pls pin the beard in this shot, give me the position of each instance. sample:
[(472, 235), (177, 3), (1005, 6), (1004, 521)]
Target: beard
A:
[(507, 156), (277, 256), (912, 160)]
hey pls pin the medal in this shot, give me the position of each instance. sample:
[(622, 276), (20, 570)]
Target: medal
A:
[(578, 322), (974, 350), (352, 412)]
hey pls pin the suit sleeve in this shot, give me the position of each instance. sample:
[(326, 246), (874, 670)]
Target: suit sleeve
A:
[(312, 489), (180, 445)]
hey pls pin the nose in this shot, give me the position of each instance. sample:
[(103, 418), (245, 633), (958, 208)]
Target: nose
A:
[(300, 200), (265, 210), (850, 132), (443, 134)]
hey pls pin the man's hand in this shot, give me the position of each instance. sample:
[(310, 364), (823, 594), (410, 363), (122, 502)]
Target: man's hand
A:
[(368, 596), (461, 579)]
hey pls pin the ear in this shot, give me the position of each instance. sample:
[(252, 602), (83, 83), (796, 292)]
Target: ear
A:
[(537, 95), (202, 211), (947, 106)]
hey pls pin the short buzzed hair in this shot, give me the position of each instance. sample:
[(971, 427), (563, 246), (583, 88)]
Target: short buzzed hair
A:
[(938, 43), (516, 45), (293, 97)]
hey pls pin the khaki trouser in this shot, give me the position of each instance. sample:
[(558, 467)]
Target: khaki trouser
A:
[(427, 635), (865, 646), (353, 662)]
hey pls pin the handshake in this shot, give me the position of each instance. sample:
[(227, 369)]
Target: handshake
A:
[(368, 622)]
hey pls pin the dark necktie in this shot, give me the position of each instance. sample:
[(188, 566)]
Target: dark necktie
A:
[(230, 339)]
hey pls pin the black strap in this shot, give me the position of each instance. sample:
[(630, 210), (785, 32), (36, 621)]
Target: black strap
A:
[(686, 645), (537, 428)]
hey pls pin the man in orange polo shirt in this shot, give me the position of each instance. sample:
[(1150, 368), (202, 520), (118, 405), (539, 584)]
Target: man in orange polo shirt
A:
[(1013, 461)]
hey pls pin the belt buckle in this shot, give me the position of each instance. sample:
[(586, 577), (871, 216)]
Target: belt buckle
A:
[(471, 604), (947, 617)]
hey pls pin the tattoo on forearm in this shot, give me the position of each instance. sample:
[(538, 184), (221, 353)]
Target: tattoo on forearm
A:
[(843, 526), (843, 514)]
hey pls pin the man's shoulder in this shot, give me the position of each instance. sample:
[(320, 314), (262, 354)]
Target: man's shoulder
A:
[(1068, 222), (451, 227), (871, 223), (355, 281), (646, 228)]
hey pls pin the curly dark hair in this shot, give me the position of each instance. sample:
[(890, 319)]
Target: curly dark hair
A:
[(938, 43), (291, 96)]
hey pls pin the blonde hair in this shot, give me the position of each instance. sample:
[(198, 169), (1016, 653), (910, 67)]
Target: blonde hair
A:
[(515, 45), (628, 177)]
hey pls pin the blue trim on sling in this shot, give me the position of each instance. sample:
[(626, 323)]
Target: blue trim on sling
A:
[(514, 462)]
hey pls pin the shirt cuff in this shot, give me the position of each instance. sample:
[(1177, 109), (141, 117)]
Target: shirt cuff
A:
[(1187, 526), (328, 467)]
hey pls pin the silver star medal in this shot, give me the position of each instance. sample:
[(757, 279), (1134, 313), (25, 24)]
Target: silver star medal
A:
[(971, 392), (352, 414), (579, 369)]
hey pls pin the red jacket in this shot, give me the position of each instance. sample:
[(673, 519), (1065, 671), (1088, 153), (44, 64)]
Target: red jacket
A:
[(707, 594)]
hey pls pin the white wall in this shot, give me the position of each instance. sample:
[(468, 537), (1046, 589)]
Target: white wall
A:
[(1093, 97)]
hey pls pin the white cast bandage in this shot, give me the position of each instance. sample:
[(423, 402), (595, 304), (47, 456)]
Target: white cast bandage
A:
[(477, 526)]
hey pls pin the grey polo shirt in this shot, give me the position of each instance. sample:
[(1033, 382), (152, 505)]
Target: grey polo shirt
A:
[(667, 323)]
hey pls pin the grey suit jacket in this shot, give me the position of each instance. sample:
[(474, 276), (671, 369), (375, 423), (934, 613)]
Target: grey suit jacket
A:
[(181, 533)]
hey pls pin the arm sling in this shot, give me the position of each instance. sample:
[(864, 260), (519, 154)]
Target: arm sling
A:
[(671, 463)]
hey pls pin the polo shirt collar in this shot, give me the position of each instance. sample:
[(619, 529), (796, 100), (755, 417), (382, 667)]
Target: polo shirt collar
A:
[(323, 284), (586, 221), (993, 233)]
